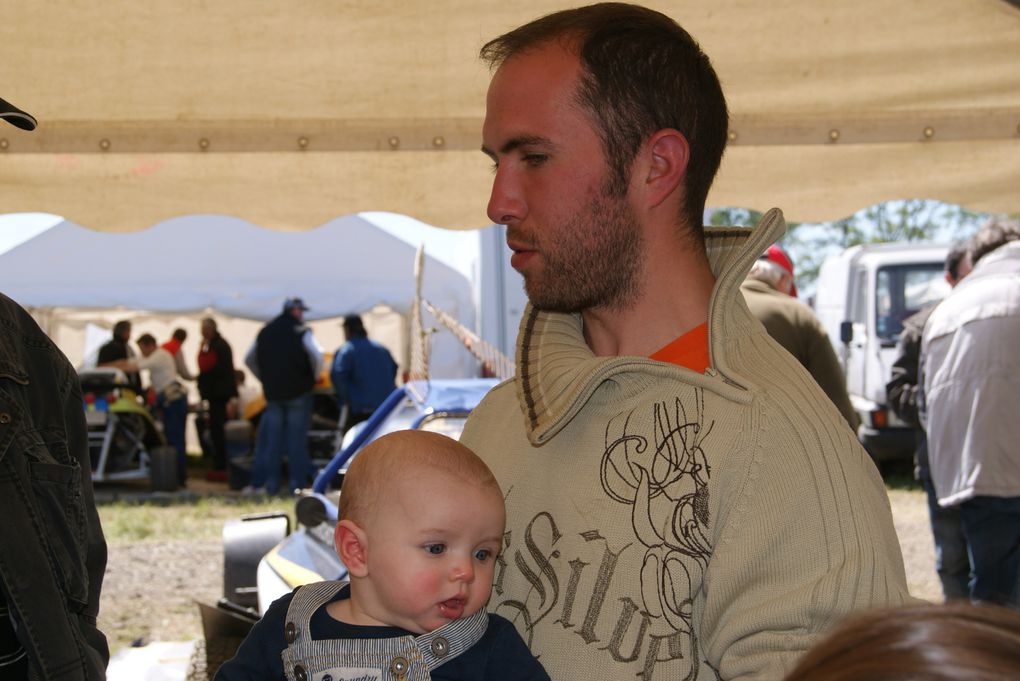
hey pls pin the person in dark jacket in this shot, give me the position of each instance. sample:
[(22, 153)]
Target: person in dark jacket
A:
[(118, 348), (287, 359), (363, 373), (54, 553), (216, 386), (951, 558)]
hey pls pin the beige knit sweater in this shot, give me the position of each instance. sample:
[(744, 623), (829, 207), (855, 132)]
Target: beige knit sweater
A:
[(664, 524)]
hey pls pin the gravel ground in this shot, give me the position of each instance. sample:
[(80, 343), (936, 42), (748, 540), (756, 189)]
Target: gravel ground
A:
[(150, 590), (151, 587), (910, 515)]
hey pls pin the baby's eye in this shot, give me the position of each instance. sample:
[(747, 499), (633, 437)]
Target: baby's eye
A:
[(435, 549), (483, 555)]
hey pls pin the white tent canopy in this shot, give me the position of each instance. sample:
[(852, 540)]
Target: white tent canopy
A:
[(222, 266), (290, 114), (216, 263)]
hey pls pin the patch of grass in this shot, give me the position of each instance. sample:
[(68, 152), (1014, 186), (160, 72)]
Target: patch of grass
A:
[(899, 474), (168, 519), (901, 481)]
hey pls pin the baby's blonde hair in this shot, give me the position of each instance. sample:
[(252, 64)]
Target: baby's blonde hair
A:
[(399, 455)]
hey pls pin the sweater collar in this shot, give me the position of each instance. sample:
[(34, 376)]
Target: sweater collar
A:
[(557, 372)]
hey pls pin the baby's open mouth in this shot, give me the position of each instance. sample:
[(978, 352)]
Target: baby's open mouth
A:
[(452, 608)]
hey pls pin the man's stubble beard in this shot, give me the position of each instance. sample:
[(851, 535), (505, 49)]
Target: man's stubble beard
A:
[(599, 269)]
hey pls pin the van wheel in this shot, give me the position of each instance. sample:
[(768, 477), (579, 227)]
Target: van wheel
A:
[(163, 469)]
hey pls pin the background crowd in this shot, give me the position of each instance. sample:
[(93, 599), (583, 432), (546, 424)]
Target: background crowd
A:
[(274, 425)]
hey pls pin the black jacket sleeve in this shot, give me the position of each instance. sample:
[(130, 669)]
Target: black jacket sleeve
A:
[(902, 388)]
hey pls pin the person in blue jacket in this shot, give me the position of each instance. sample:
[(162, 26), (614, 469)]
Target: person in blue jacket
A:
[(363, 373)]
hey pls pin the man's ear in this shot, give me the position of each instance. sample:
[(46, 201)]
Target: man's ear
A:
[(352, 547), (667, 154)]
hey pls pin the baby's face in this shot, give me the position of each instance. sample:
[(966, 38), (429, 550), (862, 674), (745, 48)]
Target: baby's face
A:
[(431, 550)]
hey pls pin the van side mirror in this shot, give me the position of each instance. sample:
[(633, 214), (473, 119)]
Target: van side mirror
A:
[(846, 332)]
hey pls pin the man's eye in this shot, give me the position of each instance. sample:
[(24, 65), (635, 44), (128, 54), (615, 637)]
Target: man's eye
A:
[(435, 549), (482, 554), (535, 159)]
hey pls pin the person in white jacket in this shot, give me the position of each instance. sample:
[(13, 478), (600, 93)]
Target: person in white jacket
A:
[(970, 377)]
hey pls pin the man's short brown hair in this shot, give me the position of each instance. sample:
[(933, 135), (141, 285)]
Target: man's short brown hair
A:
[(641, 73)]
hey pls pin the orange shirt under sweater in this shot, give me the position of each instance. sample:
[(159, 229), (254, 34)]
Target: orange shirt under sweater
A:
[(689, 350)]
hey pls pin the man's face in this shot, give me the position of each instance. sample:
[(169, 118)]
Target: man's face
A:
[(576, 242), (208, 331), (147, 348), (431, 551)]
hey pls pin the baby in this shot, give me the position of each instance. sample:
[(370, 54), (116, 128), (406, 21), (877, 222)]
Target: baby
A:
[(421, 524)]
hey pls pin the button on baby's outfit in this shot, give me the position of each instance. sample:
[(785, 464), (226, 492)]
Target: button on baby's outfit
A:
[(399, 667), (440, 647), (290, 632)]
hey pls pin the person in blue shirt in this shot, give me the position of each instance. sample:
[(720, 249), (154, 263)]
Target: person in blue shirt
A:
[(363, 373), (421, 524)]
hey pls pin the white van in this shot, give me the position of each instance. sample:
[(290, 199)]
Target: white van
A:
[(863, 295)]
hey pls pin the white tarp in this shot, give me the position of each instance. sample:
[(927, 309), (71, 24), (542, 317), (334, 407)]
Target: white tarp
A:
[(290, 114), (186, 267), (214, 262)]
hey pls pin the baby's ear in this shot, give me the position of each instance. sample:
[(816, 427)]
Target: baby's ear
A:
[(352, 547)]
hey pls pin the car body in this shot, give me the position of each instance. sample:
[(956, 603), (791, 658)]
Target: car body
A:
[(125, 442)]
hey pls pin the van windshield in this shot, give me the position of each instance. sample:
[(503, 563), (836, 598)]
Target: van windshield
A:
[(902, 290)]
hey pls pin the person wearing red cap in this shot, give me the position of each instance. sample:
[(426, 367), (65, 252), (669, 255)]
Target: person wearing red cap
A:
[(779, 256), (770, 294)]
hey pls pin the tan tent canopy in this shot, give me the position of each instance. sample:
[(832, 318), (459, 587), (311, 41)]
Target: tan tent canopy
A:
[(291, 114)]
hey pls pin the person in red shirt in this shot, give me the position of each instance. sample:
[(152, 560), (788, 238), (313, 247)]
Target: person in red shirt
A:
[(216, 386)]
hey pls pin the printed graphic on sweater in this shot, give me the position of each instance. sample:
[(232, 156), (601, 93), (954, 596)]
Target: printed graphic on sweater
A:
[(660, 479), (664, 479)]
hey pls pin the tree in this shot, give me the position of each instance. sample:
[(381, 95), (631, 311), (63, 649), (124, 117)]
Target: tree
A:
[(912, 220)]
